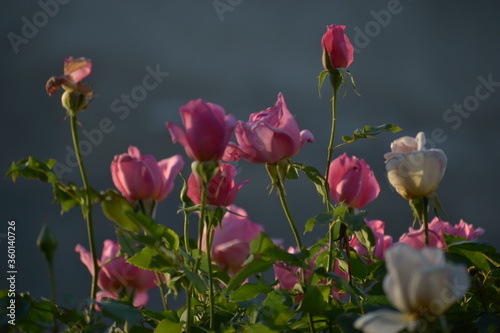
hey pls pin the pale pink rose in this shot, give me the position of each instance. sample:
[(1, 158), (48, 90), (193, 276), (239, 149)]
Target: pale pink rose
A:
[(382, 241), (231, 240), (116, 276), (464, 230), (338, 47), (221, 189), (269, 136), (141, 177), (208, 130), (352, 181)]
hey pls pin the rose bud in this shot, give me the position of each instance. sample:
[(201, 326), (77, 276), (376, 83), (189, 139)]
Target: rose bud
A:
[(352, 181), (338, 51), (208, 130)]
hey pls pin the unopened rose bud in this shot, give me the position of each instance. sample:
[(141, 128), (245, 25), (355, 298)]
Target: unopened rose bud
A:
[(47, 242)]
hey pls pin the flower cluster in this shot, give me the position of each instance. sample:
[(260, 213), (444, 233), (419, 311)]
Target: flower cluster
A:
[(435, 277)]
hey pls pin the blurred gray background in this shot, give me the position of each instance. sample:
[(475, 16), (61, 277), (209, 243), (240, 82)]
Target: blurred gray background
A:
[(414, 61)]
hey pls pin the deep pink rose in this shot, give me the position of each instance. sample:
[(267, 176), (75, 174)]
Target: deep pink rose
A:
[(221, 189), (382, 241), (141, 177), (289, 276), (338, 47), (117, 277), (208, 130), (352, 181), (231, 241), (268, 137)]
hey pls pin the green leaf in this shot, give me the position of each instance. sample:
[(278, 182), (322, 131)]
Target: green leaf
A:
[(196, 280), (321, 79), (120, 312), (264, 247), (156, 231), (365, 236), (316, 178), (167, 325), (476, 253), (152, 259), (258, 328), (249, 291), (313, 301), (368, 132), (32, 168), (252, 268), (117, 209), (323, 219)]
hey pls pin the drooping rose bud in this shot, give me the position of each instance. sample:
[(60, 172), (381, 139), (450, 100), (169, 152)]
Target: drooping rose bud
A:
[(221, 189), (141, 177), (117, 278), (208, 130), (420, 284), (77, 94), (231, 240), (352, 181), (338, 51), (413, 170), (269, 136)]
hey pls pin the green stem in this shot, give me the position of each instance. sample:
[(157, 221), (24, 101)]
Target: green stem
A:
[(282, 195), (162, 291), (186, 233), (189, 291), (208, 242), (424, 220), (335, 80), (87, 208), (53, 293)]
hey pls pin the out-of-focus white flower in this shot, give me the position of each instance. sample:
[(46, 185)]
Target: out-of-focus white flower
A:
[(413, 170), (420, 284)]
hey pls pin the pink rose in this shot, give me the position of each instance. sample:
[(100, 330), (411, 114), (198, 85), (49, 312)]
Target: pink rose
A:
[(464, 230), (208, 130), (352, 181), (289, 276), (268, 137), (231, 241), (141, 177), (118, 278), (221, 189), (382, 241), (337, 46), (416, 237)]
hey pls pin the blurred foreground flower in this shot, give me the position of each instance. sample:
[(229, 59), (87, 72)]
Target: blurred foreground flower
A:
[(413, 170), (141, 177), (118, 279), (420, 284), (338, 51), (208, 130), (352, 181), (221, 189), (231, 240), (269, 136)]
